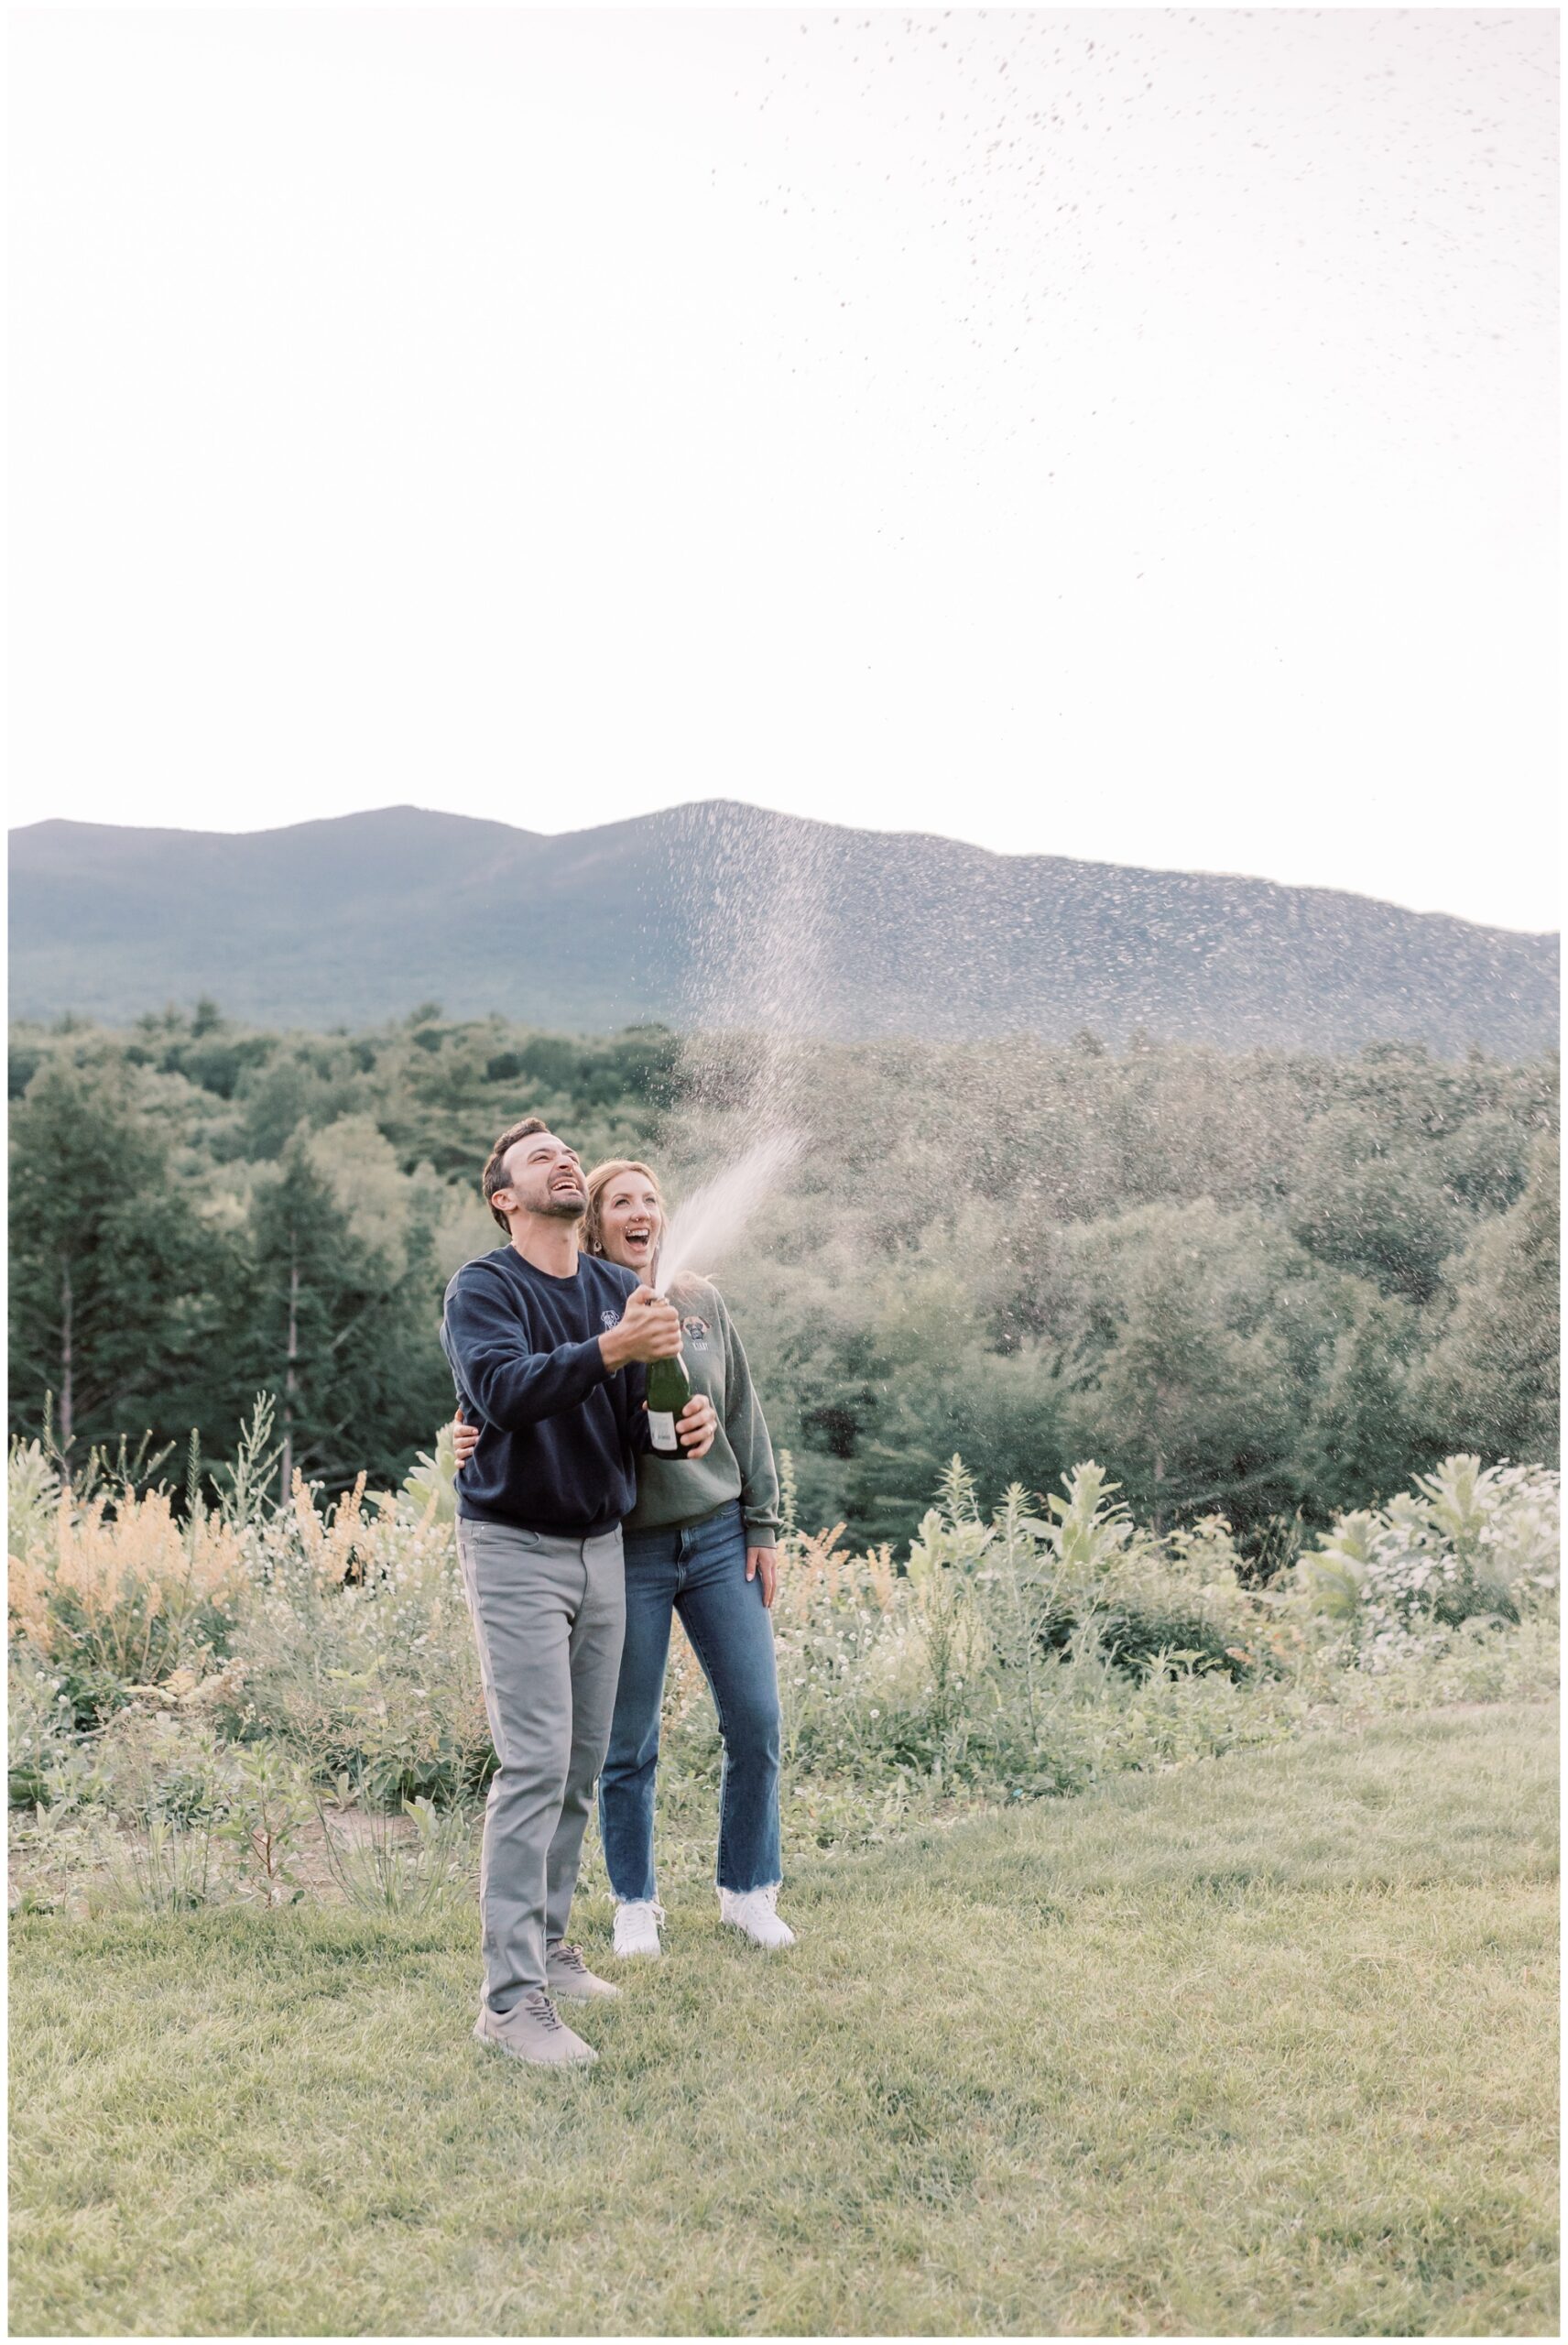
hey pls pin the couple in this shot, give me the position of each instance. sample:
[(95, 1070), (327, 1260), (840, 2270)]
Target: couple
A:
[(549, 1339)]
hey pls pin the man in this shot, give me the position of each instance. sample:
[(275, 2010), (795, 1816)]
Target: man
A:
[(549, 1348)]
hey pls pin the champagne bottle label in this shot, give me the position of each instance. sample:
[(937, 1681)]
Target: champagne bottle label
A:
[(669, 1390)]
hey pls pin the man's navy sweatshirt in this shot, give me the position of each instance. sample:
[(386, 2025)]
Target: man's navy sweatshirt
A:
[(558, 1431)]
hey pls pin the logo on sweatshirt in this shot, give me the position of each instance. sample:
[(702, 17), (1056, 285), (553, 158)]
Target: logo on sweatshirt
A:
[(697, 1330), (609, 1319)]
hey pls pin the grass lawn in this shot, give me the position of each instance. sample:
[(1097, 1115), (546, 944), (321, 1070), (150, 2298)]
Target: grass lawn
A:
[(1262, 2046)]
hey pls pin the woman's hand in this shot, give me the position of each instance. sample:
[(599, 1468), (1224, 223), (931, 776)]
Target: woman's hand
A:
[(765, 1561), (464, 1439), (696, 1425)]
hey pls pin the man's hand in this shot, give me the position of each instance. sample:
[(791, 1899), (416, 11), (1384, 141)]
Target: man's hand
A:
[(696, 1425), (650, 1329), (765, 1561)]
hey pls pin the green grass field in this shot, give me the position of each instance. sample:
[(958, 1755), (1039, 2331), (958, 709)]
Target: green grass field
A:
[(1262, 2046)]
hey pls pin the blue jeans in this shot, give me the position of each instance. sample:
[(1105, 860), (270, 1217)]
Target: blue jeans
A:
[(697, 1569)]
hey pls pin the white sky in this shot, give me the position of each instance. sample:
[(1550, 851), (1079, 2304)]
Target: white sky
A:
[(1118, 434)]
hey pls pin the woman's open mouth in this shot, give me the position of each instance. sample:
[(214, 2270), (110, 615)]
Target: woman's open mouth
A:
[(638, 1240)]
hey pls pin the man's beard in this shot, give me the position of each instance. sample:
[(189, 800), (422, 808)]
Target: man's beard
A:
[(563, 1208)]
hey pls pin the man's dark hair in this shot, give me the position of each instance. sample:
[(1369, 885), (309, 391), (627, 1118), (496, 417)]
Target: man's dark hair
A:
[(494, 1177)]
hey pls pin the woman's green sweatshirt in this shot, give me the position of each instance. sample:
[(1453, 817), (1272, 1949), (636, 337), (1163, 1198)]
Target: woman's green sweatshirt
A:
[(740, 1462)]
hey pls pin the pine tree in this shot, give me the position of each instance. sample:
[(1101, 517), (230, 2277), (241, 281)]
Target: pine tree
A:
[(342, 1334), (1186, 1390), (1362, 1440), (1493, 1382), (117, 1280)]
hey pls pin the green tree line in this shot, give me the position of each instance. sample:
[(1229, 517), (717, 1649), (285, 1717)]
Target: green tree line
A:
[(1269, 1283)]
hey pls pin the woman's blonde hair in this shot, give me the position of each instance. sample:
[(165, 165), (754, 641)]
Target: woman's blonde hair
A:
[(598, 1182)]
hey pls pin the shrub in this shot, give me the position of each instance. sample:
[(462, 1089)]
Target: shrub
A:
[(355, 1649), (1463, 1544), (47, 1765), (1145, 1597)]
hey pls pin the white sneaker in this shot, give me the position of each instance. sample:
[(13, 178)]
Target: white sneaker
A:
[(637, 1927), (751, 1912)]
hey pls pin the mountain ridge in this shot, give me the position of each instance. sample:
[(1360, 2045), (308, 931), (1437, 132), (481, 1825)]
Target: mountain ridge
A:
[(970, 847), (359, 916)]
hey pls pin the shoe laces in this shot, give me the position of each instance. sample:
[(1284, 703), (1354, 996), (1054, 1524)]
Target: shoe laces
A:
[(568, 1958), (539, 2006), (642, 1905)]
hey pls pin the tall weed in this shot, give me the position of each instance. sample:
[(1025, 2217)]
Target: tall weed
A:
[(383, 1869), (116, 1596)]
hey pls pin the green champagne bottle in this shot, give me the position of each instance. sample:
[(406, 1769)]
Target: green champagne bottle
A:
[(669, 1390)]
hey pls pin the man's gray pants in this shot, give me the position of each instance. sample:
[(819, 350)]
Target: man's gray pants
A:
[(549, 1616)]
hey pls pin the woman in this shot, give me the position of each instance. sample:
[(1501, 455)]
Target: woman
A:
[(701, 1542)]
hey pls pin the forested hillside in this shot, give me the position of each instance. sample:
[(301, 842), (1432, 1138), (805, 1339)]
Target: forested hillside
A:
[(1265, 1282)]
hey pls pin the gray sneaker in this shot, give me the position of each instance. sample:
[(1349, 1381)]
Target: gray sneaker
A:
[(533, 2030), (567, 1976)]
